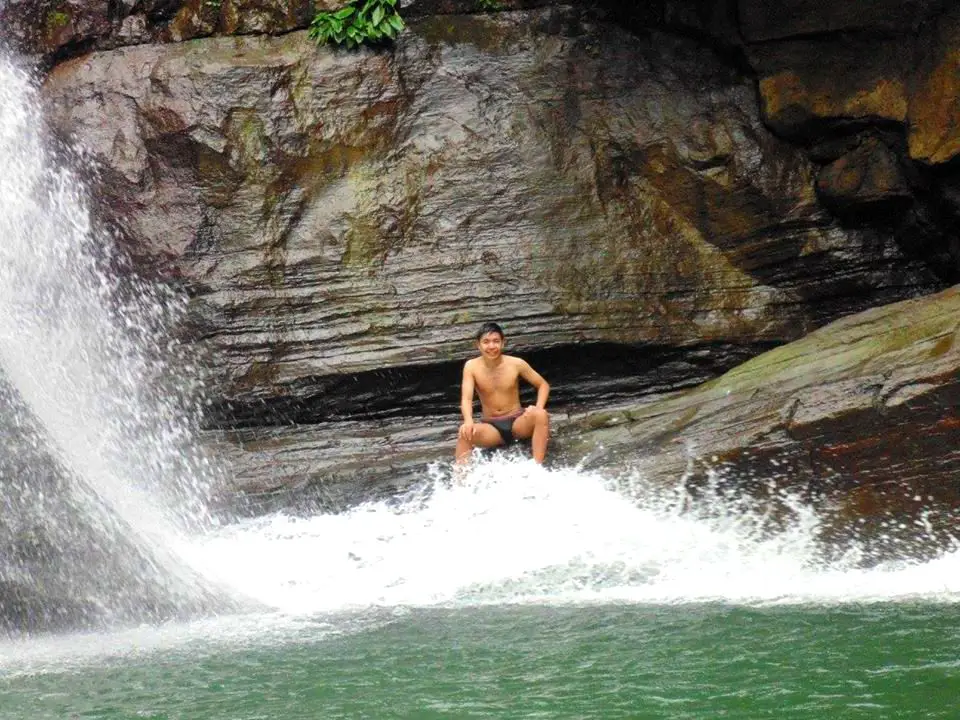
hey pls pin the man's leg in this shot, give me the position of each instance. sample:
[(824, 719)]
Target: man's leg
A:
[(484, 436), (534, 424)]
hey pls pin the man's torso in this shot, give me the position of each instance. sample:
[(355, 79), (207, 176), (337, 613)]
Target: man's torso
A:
[(498, 387)]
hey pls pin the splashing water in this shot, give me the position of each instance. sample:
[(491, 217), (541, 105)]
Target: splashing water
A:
[(512, 533), (86, 360), (515, 532)]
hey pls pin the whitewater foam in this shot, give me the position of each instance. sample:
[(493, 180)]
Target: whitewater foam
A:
[(515, 532)]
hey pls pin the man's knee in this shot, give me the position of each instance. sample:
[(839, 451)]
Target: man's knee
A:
[(540, 416), (464, 438)]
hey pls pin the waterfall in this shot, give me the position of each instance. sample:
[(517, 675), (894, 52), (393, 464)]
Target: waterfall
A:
[(99, 473)]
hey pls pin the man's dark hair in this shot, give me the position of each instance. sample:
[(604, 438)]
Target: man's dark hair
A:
[(490, 327)]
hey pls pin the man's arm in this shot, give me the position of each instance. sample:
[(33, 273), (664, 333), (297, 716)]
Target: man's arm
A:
[(536, 379), (466, 393)]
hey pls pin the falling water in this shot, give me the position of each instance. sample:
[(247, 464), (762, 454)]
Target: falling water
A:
[(99, 454)]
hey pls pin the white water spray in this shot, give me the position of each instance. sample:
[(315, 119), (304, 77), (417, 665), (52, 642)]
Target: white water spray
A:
[(515, 532)]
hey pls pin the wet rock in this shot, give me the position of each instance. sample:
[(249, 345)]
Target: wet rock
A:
[(56, 30), (764, 22), (27, 611), (201, 18), (52, 30), (891, 74), (866, 181), (338, 214), (330, 466), (859, 416), (934, 137), (802, 102), (829, 74), (712, 21), (886, 68)]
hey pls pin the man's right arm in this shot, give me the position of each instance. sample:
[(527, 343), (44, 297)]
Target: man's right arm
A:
[(466, 394)]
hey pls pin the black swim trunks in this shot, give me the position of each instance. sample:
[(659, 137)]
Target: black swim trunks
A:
[(504, 425)]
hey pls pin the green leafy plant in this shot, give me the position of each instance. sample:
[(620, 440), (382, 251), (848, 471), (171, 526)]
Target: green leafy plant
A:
[(492, 5), (361, 21), (57, 19)]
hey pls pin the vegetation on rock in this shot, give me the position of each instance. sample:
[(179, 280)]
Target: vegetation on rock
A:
[(56, 19), (360, 22)]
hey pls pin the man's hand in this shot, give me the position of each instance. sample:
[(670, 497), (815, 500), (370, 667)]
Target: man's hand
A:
[(466, 430)]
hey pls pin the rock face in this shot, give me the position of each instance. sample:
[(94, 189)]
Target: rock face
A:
[(336, 214), (870, 95), (55, 30), (882, 123)]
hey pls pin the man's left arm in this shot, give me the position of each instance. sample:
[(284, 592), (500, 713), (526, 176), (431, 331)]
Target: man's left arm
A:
[(536, 379)]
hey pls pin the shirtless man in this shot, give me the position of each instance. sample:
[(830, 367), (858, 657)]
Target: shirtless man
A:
[(496, 379)]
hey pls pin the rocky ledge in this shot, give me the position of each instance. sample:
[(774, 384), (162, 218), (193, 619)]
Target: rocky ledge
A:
[(861, 416)]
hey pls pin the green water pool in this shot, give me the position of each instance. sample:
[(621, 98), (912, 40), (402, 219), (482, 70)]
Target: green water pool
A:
[(882, 660)]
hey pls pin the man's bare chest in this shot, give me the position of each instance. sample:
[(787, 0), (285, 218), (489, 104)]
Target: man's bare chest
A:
[(496, 380)]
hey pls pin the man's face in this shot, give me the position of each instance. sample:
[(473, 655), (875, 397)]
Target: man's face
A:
[(491, 345)]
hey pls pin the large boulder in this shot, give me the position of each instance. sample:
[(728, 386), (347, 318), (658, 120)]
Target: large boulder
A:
[(338, 215), (860, 415)]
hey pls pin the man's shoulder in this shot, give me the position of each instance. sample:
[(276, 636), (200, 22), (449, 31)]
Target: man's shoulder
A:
[(514, 360)]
